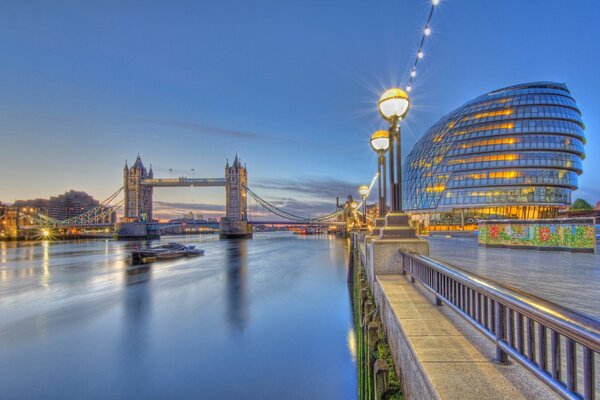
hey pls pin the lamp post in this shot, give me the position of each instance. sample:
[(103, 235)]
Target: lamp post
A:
[(354, 206), (363, 190), (393, 107), (380, 142)]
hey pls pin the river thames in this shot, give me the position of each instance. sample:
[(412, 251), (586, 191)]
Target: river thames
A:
[(266, 318)]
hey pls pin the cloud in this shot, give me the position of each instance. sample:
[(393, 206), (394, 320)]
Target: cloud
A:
[(210, 130), (329, 188)]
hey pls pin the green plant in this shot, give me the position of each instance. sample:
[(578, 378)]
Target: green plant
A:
[(581, 205)]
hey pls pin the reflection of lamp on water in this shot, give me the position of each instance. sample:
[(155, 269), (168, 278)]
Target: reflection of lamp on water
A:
[(363, 190)]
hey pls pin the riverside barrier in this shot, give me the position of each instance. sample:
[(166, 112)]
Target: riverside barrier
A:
[(557, 345), (455, 335)]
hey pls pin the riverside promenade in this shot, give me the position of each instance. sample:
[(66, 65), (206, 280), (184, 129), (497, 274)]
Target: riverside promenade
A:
[(571, 280), (438, 354)]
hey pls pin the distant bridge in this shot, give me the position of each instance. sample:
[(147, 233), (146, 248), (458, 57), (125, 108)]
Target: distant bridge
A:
[(138, 207)]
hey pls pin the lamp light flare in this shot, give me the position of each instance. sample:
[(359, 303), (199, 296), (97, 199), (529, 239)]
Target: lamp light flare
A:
[(435, 2), (413, 73), (427, 31), (408, 88), (394, 103), (420, 54), (363, 190)]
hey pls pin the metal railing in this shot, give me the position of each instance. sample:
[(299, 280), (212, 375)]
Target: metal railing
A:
[(556, 344)]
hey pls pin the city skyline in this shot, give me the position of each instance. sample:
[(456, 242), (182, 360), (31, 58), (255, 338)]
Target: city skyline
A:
[(87, 87)]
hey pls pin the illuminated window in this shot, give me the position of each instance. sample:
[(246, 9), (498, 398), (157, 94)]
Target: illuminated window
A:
[(486, 114), (487, 127), (489, 142), (495, 157)]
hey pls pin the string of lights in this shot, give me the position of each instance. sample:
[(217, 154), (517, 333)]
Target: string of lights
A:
[(420, 53)]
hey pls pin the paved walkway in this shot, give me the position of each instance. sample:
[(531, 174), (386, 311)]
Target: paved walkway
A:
[(435, 345), (572, 280)]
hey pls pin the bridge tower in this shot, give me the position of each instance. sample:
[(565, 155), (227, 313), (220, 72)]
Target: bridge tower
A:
[(138, 197), (236, 202)]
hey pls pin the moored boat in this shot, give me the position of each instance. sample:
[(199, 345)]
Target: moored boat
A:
[(168, 251)]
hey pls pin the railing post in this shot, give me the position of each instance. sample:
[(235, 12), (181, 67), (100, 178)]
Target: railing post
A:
[(437, 277), (571, 365), (403, 263), (500, 327), (589, 372), (555, 354)]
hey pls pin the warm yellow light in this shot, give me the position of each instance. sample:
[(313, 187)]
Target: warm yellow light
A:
[(45, 232), (394, 104), (437, 188), (354, 205), (363, 190), (380, 140)]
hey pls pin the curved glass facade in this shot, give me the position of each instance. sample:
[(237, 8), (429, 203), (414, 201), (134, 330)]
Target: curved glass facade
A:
[(518, 146)]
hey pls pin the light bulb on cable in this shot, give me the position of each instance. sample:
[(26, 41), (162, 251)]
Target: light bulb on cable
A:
[(427, 31), (435, 2), (413, 73), (420, 54), (408, 88)]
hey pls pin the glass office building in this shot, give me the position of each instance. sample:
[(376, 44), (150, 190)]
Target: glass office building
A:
[(511, 153)]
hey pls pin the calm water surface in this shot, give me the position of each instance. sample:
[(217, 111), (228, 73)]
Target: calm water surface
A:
[(267, 318)]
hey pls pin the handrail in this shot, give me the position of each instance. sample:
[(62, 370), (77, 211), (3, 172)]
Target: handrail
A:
[(519, 323)]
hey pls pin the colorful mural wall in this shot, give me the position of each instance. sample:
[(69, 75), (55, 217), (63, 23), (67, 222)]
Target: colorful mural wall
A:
[(564, 234)]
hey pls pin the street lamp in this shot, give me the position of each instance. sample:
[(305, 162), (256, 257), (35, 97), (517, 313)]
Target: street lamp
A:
[(380, 142), (363, 190), (393, 106)]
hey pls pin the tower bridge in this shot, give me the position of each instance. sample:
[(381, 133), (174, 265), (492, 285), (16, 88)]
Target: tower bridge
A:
[(137, 203)]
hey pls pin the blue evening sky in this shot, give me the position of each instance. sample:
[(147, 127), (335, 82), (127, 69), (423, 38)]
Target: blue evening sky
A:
[(291, 86)]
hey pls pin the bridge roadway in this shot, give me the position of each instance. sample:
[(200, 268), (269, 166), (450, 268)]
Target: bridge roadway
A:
[(156, 225), (184, 182)]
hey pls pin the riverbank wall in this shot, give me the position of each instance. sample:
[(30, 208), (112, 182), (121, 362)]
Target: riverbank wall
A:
[(377, 376)]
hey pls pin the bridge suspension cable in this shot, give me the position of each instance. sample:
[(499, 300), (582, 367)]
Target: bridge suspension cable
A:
[(296, 218), (95, 216)]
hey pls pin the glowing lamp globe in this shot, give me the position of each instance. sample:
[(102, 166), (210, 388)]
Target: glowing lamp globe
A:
[(394, 104), (380, 141), (363, 190)]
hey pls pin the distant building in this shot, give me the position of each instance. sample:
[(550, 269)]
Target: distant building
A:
[(138, 197), (65, 206), (512, 153)]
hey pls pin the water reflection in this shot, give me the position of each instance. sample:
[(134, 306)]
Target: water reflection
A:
[(45, 264), (137, 310), (236, 262), (272, 312)]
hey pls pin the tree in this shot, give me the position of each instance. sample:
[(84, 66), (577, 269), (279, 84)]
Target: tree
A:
[(581, 205)]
